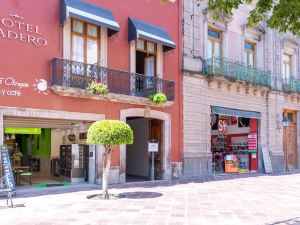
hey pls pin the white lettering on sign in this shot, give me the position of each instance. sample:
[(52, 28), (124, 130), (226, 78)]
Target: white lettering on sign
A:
[(10, 86), (14, 29), (222, 125)]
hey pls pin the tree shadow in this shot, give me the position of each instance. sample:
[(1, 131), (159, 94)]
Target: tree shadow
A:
[(141, 194), (22, 205), (292, 221)]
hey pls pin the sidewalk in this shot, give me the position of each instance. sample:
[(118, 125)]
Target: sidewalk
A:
[(242, 199)]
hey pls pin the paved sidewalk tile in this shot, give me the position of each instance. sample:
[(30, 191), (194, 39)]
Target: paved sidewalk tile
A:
[(248, 199)]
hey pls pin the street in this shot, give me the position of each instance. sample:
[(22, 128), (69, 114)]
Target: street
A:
[(227, 199)]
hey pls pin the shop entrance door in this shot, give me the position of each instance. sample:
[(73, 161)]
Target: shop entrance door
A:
[(290, 140), (157, 134)]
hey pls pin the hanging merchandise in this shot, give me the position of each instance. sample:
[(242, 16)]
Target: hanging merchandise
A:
[(243, 122), (214, 121), (233, 120)]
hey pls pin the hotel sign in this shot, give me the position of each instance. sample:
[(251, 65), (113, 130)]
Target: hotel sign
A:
[(14, 27)]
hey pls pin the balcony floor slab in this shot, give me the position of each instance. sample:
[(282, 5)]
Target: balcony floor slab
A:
[(81, 93)]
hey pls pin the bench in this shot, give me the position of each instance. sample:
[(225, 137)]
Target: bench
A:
[(6, 187)]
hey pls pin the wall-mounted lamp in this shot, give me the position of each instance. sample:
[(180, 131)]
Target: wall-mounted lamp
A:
[(285, 122)]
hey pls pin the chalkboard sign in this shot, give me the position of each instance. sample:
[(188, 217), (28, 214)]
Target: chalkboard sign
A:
[(6, 167)]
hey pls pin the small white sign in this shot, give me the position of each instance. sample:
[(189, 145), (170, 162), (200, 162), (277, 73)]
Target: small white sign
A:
[(152, 147), (75, 149)]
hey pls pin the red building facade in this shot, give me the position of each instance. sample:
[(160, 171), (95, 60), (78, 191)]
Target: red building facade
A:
[(52, 49)]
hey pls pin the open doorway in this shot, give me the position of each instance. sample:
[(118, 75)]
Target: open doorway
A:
[(49, 152), (138, 161)]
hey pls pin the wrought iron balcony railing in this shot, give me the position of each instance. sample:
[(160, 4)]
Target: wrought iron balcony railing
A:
[(290, 85), (74, 74), (236, 71)]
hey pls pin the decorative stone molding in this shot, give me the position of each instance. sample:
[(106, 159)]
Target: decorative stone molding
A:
[(81, 93), (166, 118), (210, 16), (253, 33)]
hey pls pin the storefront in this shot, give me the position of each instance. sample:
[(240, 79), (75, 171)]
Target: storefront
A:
[(49, 151), (234, 140)]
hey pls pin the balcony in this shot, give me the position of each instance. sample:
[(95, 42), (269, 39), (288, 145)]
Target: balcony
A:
[(289, 85), (236, 72), (71, 78)]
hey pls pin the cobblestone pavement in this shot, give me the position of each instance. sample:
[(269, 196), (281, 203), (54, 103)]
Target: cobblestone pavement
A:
[(242, 199)]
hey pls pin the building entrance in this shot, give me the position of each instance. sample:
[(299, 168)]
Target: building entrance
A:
[(234, 140), (290, 140), (48, 152), (138, 161)]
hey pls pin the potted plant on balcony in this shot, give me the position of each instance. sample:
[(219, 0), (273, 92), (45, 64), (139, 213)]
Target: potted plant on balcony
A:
[(97, 88), (158, 98)]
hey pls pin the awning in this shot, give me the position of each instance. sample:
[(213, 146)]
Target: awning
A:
[(139, 29), (90, 13), (235, 112)]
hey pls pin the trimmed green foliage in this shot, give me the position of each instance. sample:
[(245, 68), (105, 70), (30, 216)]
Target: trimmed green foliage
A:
[(110, 132), (284, 13), (97, 88), (158, 98)]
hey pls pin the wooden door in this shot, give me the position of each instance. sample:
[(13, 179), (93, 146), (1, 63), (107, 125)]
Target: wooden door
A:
[(156, 132), (290, 140)]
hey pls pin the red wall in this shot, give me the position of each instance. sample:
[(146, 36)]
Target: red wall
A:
[(26, 62)]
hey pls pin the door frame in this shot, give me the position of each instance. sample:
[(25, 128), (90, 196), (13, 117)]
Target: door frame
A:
[(166, 148), (285, 136)]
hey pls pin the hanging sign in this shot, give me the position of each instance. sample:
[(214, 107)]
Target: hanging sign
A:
[(6, 167), (252, 141), (21, 130)]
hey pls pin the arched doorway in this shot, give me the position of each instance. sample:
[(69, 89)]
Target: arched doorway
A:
[(157, 121)]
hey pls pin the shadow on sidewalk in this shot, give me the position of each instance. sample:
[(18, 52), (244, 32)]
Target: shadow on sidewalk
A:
[(35, 192), (215, 178), (292, 221)]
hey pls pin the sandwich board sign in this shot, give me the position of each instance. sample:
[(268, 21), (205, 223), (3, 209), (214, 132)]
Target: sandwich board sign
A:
[(6, 166), (267, 160)]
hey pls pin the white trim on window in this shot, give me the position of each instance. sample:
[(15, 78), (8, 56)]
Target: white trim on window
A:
[(159, 61), (132, 57), (67, 40), (103, 46)]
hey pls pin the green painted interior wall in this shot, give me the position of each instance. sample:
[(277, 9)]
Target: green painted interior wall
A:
[(24, 147), (41, 143)]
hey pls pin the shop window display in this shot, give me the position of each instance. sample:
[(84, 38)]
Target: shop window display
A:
[(234, 144)]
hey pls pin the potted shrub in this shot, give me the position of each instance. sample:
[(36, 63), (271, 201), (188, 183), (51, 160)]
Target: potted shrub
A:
[(97, 88), (109, 133), (158, 98)]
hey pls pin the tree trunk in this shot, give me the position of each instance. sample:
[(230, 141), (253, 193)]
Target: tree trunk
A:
[(106, 167)]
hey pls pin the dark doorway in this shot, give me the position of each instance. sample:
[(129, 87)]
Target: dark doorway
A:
[(138, 161)]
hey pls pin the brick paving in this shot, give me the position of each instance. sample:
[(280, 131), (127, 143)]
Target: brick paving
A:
[(240, 199)]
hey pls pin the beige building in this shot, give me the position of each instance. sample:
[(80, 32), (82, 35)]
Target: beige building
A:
[(239, 85)]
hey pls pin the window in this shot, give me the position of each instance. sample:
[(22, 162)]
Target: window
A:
[(250, 54), (146, 57), (286, 66), (214, 43), (85, 42)]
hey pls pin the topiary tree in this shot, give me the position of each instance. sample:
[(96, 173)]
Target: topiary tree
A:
[(109, 133)]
